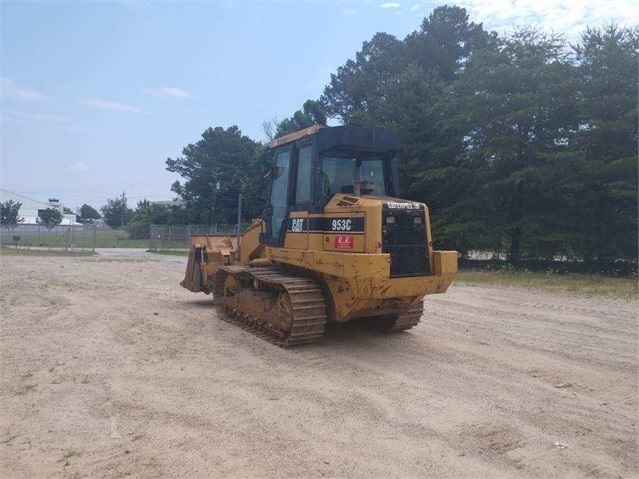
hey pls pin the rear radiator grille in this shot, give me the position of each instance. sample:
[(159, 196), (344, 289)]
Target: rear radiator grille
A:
[(404, 238)]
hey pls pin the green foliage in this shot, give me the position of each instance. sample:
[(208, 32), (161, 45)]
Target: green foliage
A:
[(230, 158), (312, 113), (9, 213), (518, 105), (603, 190), (406, 86), (116, 212), (516, 145), (520, 144), (49, 218), (87, 213), (361, 81), (147, 214), (446, 41)]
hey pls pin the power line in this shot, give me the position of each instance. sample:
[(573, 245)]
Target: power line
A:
[(137, 185)]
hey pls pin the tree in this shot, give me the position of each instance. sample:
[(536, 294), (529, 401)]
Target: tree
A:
[(269, 128), (515, 144), (116, 212), (405, 86), (230, 158), (441, 49), (49, 218), (603, 192), (312, 113), (9, 214), (360, 81), (517, 104), (145, 215), (446, 42), (87, 214)]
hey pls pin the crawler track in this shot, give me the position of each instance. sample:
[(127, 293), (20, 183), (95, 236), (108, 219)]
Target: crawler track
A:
[(400, 322), (409, 319), (308, 307)]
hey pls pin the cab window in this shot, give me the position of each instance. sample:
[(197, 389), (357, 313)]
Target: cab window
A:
[(304, 176), (279, 193), (342, 171)]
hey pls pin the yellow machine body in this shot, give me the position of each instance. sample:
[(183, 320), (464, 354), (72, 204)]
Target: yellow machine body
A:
[(348, 248)]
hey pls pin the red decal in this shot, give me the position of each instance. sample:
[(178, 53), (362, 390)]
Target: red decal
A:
[(344, 242)]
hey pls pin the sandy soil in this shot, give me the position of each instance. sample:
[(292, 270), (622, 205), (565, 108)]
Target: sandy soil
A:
[(110, 369)]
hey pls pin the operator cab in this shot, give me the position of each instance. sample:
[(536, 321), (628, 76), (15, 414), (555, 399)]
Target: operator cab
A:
[(312, 165), (352, 173)]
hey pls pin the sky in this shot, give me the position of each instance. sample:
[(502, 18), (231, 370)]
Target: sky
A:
[(95, 96)]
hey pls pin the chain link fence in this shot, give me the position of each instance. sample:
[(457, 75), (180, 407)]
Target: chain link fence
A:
[(89, 237), (69, 238), (178, 238)]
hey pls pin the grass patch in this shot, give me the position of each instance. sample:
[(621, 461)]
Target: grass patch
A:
[(626, 288), (80, 239), (120, 243), (108, 238)]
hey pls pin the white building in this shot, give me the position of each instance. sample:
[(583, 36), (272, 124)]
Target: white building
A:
[(29, 210)]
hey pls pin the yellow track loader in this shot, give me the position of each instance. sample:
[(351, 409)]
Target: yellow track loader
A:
[(335, 243)]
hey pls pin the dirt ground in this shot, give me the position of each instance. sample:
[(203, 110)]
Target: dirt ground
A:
[(110, 369)]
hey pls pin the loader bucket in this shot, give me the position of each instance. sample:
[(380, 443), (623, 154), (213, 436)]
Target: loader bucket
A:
[(208, 253)]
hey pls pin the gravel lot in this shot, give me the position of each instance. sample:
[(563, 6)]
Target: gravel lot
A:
[(110, 369)]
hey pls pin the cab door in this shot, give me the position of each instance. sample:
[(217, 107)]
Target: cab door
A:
[(297, 227), (279, 197)]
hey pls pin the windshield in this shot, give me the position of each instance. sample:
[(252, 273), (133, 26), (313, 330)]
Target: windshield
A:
[(361, 174)]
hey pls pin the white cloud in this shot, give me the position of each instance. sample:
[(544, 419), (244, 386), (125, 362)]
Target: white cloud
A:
[(10, 89), (168, 92), (348, 11), (567, 17), (81, 166), (110, 105), (49, 122), (390, 5), (13, 115), (415, 7)]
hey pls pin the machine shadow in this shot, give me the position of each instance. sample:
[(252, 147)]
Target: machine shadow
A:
[(356, 332), (206, 303)]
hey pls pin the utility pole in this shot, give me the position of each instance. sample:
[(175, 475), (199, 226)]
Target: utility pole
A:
[(123, 207), (239, 221), (216, 190)]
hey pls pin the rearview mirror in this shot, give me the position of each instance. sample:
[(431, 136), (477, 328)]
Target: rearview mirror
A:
[(266, 163), (276, 172)]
